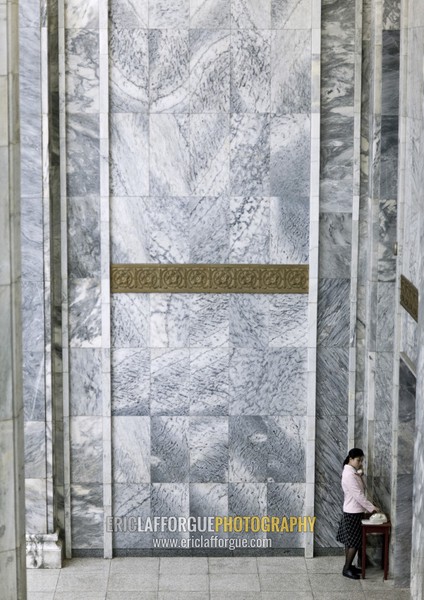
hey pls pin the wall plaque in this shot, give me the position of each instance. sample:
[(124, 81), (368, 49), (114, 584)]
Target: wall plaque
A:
[(409, 297)]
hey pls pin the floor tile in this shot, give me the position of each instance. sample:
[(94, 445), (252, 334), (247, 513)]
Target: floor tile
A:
[(132, 596), (325, 564), (281, 564), (286, 596), (328, 582), (135, 564), (78, 595), (183, 596), (275, 582), (190, 565), (42, 580), (237, 582), (40, 596), (133, 582), (183, 582), (82, 581), (236, 564), (357, 595), (101, 565)]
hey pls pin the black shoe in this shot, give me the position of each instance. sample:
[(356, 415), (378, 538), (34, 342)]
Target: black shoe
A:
[(351, 574), (357, 570)]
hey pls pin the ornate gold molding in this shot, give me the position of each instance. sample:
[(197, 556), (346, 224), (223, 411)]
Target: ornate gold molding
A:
[(210, 279), (409, 297)]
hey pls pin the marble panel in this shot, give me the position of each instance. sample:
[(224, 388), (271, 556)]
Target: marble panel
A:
[(169, 317), (335, 245), (29, 14), (288, 320), (131, 500), (85, 17), (407, 393), (169, 14), (291, 14), (129, 154), (129, 230), (31, 163), (403, 532), (168, 228), (128, 70), (130, 379), (338, 72), (130, 320), (391, 14), (249, 320), (382, 450), (248, 449), (383, 385), (35, 449), (85, 313), (286, 499), (33, 386), (32, 239), (170, 460), (389, 156), (82, 70), (209, 320), (208, 441), (333, 312), (286, 390), (129, 14), (169, 70), (250, 71), (405, 448), (30, 68), (286, 449), (87, 516), (209, 381), (207, 499), (290, 157), (85, 382), (210, 62), (248, 378), (83, 237), (32, 316), (209, 230), (249, 230), (169, 384), (169, 155), (390, 73), (131, 449), (86, 449), (247, 499), (332, 382), (209, 154), (251, 14), (289, 230), (210, 14), (250, 154), (387, 239), (83, 164), (291, 86), (35, 506), (170, 499), (386, 296)]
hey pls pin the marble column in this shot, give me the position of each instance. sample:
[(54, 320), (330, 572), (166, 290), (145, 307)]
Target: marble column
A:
[(12, 521)]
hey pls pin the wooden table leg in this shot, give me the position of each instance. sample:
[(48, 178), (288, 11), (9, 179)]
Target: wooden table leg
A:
[(364, 552), (386, 553)]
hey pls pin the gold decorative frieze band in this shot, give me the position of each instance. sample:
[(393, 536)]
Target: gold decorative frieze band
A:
[(210, 279), (409, 297)]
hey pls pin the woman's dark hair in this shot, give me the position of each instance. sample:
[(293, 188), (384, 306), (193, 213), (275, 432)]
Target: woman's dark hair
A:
[(353, 453)]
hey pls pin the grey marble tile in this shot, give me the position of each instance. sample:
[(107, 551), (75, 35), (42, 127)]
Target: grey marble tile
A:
[(209, 65), (291, 86), (83, 237), (208, 499), (86, 449), (169, 314), (286, 391), (126, 13), (391, 14), (286, 499), (250, 154), (249, 320), (386, 295), (209, 381), (168, 230), (169, 382), (35, 505), (249, 230), (332, 382), (289, 230), (248, 376), (209, 320), (290, 157), (29, 14), (169, 14), (209, 230), (130, 230), (84, 313), (248, 449), (130, 320), (390, 73), (169, 155), (35, 449), (32, 239), (30, 66), (288, 320), (33, 386), (389, 156), (337, 79), (291, 14), (209, 14), (82, 70), (250, 71), (131, 449), (286, 444), (170, 499), (251, 14), (382, 449), (129, 158), (407, 393), (170, 460), (87, 516), (209, 154), (128, 70), (86, 17), (31, 164), (85, 382), (247, 499), (335, 231), (406, 441), (333, 312), (83, 164), (32, 316), (387, 239), (208, 441), (131, 500), (383, 385), (169, 70), (130, 381)]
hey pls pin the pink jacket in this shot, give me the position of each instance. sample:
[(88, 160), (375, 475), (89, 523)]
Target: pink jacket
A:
[(354, 496)]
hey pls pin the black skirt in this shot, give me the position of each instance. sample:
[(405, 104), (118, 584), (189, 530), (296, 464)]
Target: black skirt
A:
[(350, 530)]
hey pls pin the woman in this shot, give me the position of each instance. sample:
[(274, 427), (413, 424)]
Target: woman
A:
[(355, 503)]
